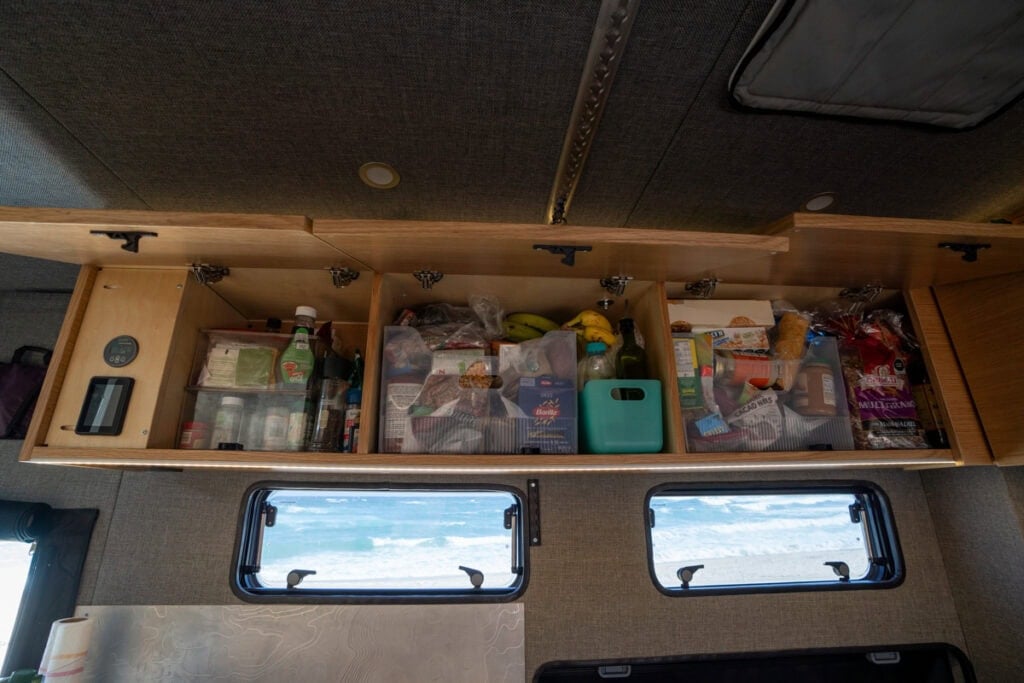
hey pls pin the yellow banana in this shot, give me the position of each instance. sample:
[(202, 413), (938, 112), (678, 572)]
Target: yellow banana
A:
[(532, 320), (589, 318), (519, 333), (595, 333)]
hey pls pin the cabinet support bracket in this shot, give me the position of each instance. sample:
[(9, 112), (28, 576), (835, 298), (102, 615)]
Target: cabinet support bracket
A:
[(533, 509), (616, 284), (343, 277), (702, 289), (566, 251), (428, 278), (969, 251), (205, 274), (131, 237)]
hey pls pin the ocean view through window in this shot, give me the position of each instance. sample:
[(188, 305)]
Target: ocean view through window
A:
[(736, 540), (395, 542)]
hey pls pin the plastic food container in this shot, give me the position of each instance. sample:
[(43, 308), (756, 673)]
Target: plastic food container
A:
[(621, 416)]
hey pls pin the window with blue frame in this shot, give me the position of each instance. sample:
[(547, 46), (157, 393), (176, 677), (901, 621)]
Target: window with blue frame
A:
[(762, 538), (351, 543)]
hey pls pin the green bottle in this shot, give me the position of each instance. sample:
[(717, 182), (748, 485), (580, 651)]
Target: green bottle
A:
[(297, 361), (631, 360)]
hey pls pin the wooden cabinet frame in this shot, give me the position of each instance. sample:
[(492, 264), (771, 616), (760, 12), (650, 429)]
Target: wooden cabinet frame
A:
[(289, 257)]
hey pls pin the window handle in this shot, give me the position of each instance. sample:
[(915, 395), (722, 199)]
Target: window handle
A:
[(296, 576), (476, 577), (841, 569), (685, 574)]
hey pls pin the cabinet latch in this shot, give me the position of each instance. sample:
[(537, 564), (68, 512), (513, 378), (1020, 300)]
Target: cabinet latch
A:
[(533, 510), (131, 237), (616, 284), (702, 289), (566, 251), (343, 277), (969, 251), (206, 274), (428, 278)]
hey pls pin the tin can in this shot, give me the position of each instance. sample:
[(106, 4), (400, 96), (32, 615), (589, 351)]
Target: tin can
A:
[(737, 369), (195, 435)]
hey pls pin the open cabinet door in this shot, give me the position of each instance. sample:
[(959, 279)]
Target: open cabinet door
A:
[(985, 319)]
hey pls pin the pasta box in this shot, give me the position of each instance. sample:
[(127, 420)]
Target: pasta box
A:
[(550, 422)]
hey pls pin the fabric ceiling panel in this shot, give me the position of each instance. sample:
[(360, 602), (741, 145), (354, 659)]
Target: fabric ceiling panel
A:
[(734, 170), (272, 107), (672, 51), (41, 164)]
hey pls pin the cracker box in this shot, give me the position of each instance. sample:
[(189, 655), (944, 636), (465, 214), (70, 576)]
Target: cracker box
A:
[(550, 423), (689, 314)]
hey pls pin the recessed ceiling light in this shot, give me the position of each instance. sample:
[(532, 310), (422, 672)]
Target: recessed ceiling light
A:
[(820, 202), (379, 175)]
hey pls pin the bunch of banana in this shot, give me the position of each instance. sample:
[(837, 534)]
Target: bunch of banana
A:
[(591, 326), (520, 327)]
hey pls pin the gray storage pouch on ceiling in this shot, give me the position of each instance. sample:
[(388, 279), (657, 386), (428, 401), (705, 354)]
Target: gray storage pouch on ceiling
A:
[(949, 63)]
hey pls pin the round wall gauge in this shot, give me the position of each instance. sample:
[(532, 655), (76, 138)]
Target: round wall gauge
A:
[(120, 351)]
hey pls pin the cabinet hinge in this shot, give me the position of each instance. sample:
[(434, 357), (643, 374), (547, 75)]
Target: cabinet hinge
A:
[(206, 274), (865, 294), (428, 278), (343, 277), (131, 237), (566, 251), (616, 284), (702, 289)]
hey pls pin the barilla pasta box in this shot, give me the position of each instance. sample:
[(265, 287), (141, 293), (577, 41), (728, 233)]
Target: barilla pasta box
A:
[(550, 422)]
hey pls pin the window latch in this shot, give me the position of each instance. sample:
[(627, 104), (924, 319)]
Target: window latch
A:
[(296, 576), (840, 569), (476, 577), (685, 574)]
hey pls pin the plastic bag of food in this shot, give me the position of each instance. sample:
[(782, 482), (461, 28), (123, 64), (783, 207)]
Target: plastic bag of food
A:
[(874, 362)]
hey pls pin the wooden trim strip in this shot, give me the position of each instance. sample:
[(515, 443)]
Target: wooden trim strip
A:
[(966, 435), (490, 464), (62, 351)]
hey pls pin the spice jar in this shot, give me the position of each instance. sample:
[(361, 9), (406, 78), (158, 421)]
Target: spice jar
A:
[(227, 426), (815, 392), (195, 435)]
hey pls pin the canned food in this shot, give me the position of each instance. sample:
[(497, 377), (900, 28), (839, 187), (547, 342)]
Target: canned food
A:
[(737, 369), (195, 435)]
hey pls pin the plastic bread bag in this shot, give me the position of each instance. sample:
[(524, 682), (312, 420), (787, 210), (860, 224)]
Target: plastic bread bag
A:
[(874, 362), (444, 326)]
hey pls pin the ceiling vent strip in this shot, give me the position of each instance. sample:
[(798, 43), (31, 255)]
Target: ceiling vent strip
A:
[(606, 49)]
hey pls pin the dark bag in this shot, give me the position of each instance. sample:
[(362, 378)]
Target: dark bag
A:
[(20, 382)]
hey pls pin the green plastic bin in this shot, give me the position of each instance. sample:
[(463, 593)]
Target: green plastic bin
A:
[(621, 416)]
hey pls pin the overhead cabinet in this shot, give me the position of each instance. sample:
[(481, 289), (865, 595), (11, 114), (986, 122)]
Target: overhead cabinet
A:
[(187, 273)]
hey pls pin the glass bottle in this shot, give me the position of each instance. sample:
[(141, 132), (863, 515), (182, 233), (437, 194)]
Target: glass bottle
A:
[(631, 360), (595, 365), (297, 426), (298, 361), (330, 408), (353, 408)]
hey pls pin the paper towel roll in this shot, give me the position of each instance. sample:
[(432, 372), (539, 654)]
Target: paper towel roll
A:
[(66, 650)]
